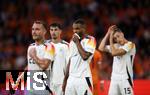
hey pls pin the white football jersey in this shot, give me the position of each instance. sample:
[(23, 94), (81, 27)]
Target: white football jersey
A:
[(78, 66), (123, 65), (44, 50), (58, 68)]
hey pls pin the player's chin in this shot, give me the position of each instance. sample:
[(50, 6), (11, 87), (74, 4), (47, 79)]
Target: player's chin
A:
[(35, 38), (54, 37)]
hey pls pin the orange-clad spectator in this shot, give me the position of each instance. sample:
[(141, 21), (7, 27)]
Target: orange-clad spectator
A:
[(138, 70), (95, 70)]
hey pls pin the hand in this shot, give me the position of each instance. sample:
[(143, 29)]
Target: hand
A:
[(76, 38), (111, 29), (32, 52)]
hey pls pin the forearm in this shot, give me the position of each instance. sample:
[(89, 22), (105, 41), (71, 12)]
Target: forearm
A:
[(85, 55), (115, 51), (43, 63), (103, 43), (112, 47)]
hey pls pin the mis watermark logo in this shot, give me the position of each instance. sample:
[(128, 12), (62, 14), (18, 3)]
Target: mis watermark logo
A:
[(36, 80)]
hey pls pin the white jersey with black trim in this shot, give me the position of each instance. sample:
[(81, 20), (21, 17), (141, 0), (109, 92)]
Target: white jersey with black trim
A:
[(45, 50), (58, 68), (78, 66), (123, 65)]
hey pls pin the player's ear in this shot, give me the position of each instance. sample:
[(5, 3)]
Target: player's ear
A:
[(44, 31), (84, 30)]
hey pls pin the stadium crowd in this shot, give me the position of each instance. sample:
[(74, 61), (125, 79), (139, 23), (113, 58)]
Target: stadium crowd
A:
[(132, 16)]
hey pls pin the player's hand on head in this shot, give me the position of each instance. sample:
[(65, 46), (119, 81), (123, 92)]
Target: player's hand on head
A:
[(111, 29), (32, 52)]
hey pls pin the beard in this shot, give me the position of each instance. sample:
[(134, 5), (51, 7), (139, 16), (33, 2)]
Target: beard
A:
[(36, 37), (54, 37)]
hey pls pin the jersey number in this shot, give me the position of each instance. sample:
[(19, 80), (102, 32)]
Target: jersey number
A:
[(127, 90)]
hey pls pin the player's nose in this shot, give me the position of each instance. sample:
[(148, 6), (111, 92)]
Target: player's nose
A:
[(34, 32)]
